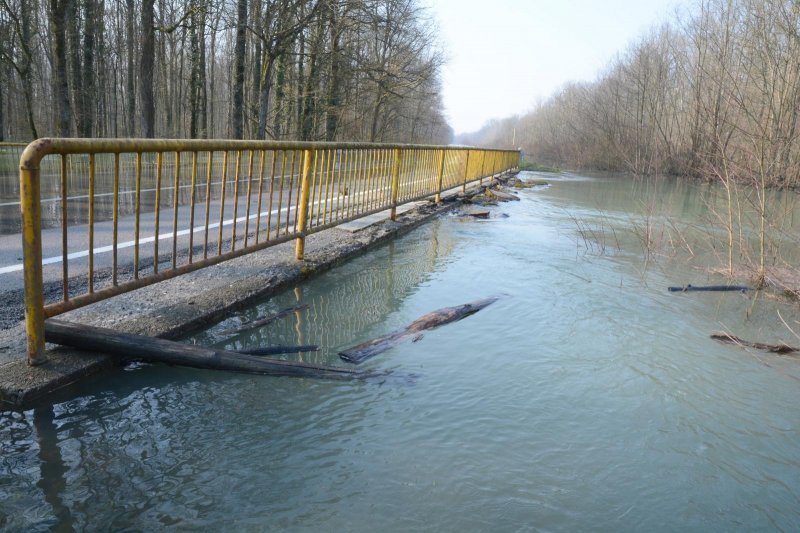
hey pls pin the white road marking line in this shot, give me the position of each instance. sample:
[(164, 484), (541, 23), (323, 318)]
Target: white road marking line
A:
[(127, 244)]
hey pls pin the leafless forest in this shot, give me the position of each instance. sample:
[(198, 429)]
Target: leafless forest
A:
[(258, 69), (713, 93)]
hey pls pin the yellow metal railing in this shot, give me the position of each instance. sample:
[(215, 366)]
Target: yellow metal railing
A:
[(147, 210)]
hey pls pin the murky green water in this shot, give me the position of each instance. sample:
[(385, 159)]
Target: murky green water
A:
[(590, 398)]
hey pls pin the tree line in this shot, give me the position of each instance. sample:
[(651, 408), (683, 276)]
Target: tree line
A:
[(713, 93), (257, 69)]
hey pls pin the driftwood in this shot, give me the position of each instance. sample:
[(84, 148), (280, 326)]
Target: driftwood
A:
[(138, 347), (478, 214), (264, 321), (274, 350), (773, 348), (711, 288), (362, 352)]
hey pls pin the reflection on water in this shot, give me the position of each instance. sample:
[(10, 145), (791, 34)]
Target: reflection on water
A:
[(590, 399), (359, 296)]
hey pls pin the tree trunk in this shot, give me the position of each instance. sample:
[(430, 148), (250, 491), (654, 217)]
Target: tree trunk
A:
[(267, 65), (139, 347), (130, 101), (73, 21), (88, 96), (238, 71), (334, 76), (2, 116), (63, 116), (146, 68)]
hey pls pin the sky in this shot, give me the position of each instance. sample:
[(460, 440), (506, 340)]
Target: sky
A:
[(505, 55)]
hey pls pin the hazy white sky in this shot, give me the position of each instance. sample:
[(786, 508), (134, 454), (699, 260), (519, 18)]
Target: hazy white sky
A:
[(504, 55)]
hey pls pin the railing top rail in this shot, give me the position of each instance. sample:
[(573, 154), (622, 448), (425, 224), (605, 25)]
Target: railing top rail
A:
[(36, 150)]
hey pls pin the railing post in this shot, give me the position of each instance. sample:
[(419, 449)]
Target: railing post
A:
[(441, 176), (31, 211), (398, 157), (302, 205), (466, 173)]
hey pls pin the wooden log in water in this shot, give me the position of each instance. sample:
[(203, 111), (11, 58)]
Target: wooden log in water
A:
[(773, 348), (274, 350), (142, 348), (264, 321), (710, 288), (362, 352)]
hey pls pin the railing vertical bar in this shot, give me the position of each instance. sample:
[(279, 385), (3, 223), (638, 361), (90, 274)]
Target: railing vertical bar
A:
[(159, 165), (279, 214), (175, 203), (91, 222), (342, 187), (323, 181), (302, 201), (31, 212), (236, 197), (372, 188), (369, 188), (191, 206), (115, 221), (64, 228), (289, 198), (249, 196), (351, 189), (209, 173), (386, 184), (327, 217), (299, 159), (261, 163), (443, 157), (315, 180), (377, 189), (223, 185), (358, 178), (421, 178), (420, 173), (378, 177), (271, 191), (466, 173), (137, 214), (366, 184), (396, 166)]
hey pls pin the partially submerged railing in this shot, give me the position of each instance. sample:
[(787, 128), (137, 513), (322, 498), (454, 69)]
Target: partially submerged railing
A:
[(208, 201)]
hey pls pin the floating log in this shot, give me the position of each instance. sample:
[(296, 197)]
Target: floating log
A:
[(773, 348), (264, 321), (362, 352), (478, 214), (711, 288), (274, 350), (142, 348)]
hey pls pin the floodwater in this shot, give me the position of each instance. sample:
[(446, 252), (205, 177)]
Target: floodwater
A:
[(588, 398)]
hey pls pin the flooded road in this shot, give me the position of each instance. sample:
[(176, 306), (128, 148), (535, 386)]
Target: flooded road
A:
[(589, 398)]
